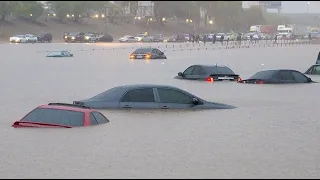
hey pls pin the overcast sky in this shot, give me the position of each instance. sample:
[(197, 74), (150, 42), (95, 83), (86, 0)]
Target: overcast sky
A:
[(296, 6)]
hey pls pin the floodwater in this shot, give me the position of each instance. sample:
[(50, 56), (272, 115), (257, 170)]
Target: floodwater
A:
[(274, 132)]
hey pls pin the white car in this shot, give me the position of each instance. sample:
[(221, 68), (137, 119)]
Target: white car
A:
[(18, 39), (31, 38), (140, 37), (127, 38)]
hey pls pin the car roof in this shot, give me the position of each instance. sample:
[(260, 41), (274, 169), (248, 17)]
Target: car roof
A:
[(209, 66), (66, 107)]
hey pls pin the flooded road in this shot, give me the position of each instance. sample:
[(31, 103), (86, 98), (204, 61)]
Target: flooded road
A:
[(274, 132)]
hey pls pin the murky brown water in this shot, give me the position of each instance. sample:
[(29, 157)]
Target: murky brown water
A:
[(274, 132)]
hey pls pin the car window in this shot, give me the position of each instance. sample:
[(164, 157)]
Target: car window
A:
[(93, 119), (188, 71), (173, 96), (196, 70), (263, 75), (316, 70), (100, 118), (55, 116), (139, 95), (154, 51), (285, 75), (299, 77)]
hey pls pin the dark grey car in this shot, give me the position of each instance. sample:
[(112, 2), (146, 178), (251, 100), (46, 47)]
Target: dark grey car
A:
[(148, 53), (282, 76), (149, 97), (208, 73)]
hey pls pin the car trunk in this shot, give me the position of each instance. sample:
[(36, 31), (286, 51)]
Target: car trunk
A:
[(225, 77)]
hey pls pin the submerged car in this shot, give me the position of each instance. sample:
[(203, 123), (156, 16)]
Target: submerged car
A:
[(60, 54), (18, 39), (127, 38), (314, 69), (75, 37), (61, 115), (105, 38), (31, 38), (45, 37), (147, 53), (281, 76), (149, 97), (208, 73), (91, 37)]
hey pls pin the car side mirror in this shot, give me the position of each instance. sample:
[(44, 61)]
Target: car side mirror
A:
[(195, 101), (180, 74), (309, 80)]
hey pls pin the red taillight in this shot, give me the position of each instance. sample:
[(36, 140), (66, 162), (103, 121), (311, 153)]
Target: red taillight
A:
[(209, 79), (260, 82), (239, 79)]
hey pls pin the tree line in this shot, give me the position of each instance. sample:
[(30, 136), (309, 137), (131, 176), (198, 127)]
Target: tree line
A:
[(221, 14)]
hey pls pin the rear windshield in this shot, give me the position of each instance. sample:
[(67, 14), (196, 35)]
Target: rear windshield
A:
[(263, 75), (219, 70), (140, 51), (56, 116)]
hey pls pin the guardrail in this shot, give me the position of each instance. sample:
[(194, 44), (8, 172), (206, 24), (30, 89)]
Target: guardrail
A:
[(207, 46)]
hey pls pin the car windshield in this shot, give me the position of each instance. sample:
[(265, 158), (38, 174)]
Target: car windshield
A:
[(220, 34), (142, 50), (20, 36), (219, 70), (140, 35), (263, 75), (55, 116), (107, 95), (55, 53)]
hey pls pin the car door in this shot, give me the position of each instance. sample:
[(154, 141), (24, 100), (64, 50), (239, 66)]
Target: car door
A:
[(285, 76), (140, 98), (174, 99), (195, 74), (188, 72)]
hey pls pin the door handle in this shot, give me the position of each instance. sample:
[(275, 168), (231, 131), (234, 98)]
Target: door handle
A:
[(126, 106), (164, 107)]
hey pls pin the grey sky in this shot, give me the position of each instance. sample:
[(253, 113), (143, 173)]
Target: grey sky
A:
[(296, 6)]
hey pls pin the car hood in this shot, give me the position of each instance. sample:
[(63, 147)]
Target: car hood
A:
[(214, 105)]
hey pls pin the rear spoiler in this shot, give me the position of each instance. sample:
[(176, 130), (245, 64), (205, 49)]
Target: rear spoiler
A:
[(318, 59), (37, 124)]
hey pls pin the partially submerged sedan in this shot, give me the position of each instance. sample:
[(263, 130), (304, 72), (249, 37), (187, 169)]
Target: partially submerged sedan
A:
[(148, 53), (149, 97), (60, 54), (208, 73), (61, 115), (281, 76)]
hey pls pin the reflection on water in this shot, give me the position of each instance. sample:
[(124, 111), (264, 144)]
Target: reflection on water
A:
[(272, 134)]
